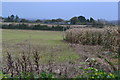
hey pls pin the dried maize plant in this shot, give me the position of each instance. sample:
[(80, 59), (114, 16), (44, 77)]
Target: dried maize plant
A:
[(36, 60), (24, 62), (106, 37), (110, 39), (10, 64)]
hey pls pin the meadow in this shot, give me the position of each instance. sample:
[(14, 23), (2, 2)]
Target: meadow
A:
[(49, 42)]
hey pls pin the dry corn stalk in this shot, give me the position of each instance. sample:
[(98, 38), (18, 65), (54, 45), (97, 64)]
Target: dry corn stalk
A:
[(107, 37)]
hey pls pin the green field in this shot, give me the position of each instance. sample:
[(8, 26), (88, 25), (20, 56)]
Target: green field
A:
[(49, 44)]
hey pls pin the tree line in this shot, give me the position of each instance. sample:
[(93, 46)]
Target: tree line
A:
[(16, 18), (80, 20), (34, 27)]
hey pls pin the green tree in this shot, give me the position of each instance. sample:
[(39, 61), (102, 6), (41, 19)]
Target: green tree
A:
[(88, 20), (38, 20), (12, 17), (17, 18), (74, 20), (7, 19), (82, 19), (23, 20), (48, 21), (54, 20), (59, 20), (92, 20)]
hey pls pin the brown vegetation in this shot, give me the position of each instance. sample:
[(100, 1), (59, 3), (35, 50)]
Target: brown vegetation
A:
[(106, 37)]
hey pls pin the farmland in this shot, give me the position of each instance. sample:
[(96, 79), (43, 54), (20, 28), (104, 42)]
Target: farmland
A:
[(56, 51)]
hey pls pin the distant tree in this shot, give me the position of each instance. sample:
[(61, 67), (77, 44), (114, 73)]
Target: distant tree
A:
[(54, 20), (82, 19), (38, 20), (23, 20), (92, 20), (7, 19), (17, 19), (12, 17), (74, 20), (48, 21), (88, 20), (59, 20)]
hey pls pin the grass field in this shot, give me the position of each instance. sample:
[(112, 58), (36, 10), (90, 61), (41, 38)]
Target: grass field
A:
[(46, 42)]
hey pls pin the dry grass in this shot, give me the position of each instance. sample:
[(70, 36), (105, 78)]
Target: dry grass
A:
[(106, 37)]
